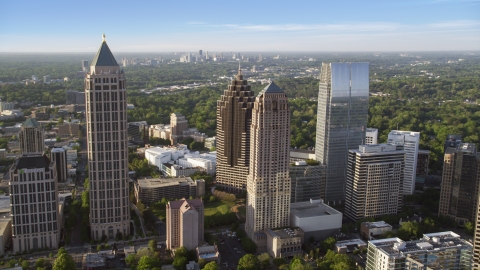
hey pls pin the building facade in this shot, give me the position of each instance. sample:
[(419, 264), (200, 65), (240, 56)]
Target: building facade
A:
[(31, 137), (460, 183), (307, 181), (374, 180), (443, 250), (185, 224), (371, 136), (268, 184), (59, 156), (234, 117), (151, 190), (178, 124), (407, 141), (476, 240), (34, 203), (285, 243), (341, 121), (106, 122)]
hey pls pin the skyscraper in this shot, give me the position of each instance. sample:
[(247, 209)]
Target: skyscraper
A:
[(268, 184), (184, 222), (59, 156), (178, 124), (460, 182), (407, 141), (341, 121), (84, 65), (476, 239), (31, 137), (106, 114), (234, 117), (374, 181)]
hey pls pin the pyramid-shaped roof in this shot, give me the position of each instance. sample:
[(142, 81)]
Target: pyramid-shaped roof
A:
[(31, 122), (104, 57), (271, 88)]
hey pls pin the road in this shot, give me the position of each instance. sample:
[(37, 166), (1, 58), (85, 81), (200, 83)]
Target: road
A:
[(140, 217), (231, 251)]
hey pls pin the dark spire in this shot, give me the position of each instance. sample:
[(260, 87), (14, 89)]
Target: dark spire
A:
[(104, 56)]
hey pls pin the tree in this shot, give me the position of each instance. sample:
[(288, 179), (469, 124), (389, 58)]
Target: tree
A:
[(201, 263), (25, 264), (179, 262), (469, 227), (131, 260), (211, 266), (152, 244), (248, 262), (279, 261), (249, 245), (181, 252), (147, 263), (328, 244), (64, 262), (40, 263), (264, 259)]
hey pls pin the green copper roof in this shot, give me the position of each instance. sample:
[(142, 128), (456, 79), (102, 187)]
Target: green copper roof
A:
[(31, 122), (104, 57), (271, 88)]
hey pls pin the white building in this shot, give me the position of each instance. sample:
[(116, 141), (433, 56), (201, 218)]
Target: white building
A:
[(207, 161), (443, 250), (158, 155), (371, 136), (407, 141), (315, 218), (71, 155)]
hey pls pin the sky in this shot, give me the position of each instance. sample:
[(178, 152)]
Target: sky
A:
[(240, 26)]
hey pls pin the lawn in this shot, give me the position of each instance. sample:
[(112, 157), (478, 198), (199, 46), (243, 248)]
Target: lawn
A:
[(222, 207)]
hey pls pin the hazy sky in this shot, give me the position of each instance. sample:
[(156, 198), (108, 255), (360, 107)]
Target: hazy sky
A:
[(172, 25)]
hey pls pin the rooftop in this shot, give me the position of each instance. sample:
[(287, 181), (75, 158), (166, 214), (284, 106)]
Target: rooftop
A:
[(378, 224), (312, 208), (284, 233), (104, 56), (271, 88), (350, 242), (32, 162), (164, 182), (179, 203), (31, 122), (94, 260)]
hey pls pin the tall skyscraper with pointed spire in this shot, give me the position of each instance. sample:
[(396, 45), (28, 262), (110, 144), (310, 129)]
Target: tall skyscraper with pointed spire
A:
[(106, 113), (234, 116), (268, 184), (341, 121)]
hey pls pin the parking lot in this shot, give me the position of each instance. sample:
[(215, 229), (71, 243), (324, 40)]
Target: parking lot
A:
[(231, 251)]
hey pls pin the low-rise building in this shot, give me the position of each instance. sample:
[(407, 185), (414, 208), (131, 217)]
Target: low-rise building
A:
[(284, 243), (151, 190), (208, 253), (349, 246), (315, 218), (3, 153), (207, 161), (443, 250), (158, 155), (94, 261), (172, 170), (369, 230)]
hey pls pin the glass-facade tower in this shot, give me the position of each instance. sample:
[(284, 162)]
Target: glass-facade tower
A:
[(341, 121)]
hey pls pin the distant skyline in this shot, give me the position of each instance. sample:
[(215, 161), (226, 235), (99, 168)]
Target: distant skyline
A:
[(176, 26)]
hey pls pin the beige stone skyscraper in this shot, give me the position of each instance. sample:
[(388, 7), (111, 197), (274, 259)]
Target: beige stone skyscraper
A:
[(234, 116), (268, 184), (31, 137), (185, 223), (106, 113)]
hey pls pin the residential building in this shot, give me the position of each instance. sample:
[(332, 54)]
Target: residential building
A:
[(407, 141), (34, 204), (106, 115), (285, 243), (59, 156), (268, 182), (31, 137), (349, 246), (234, 117), (341, 121), (460, 181), (453, 141), (315, 218), (374, 180), (184, 222), (307, 181), (370, 230), (443, 250), (423, 158), (151, 190), (371, 136)]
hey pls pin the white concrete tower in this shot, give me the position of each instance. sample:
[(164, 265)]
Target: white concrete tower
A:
[(106, 107), (268, 181)]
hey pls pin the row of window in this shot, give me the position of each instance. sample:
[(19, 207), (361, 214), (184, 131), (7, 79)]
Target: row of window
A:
[(40, 197), (34, 228)]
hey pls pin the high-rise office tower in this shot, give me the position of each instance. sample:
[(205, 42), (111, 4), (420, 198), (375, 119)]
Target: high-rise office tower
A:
[(307, 181), (106, 115), (371, 136), (31, 137), (34, 203), (341, 121), (59, 156), (178, 124), (460, 182), (200, 52), (268, 184), (84, 65), (407, 141), (374, 180), (234, 117)]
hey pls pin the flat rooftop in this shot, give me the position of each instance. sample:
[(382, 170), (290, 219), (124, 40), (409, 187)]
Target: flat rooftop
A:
[(165, 182), (94, 260), (284, 233), (312, 208), (350, 242), (433, 242), (378, 224)]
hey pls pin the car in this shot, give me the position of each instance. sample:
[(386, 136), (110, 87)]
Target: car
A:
[(235, 248)]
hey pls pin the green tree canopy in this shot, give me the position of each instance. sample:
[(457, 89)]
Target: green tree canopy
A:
[(211, 266), (248, 262), (64, 262)]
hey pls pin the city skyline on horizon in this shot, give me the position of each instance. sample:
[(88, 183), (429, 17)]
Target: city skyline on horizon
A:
[(343, 26)]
